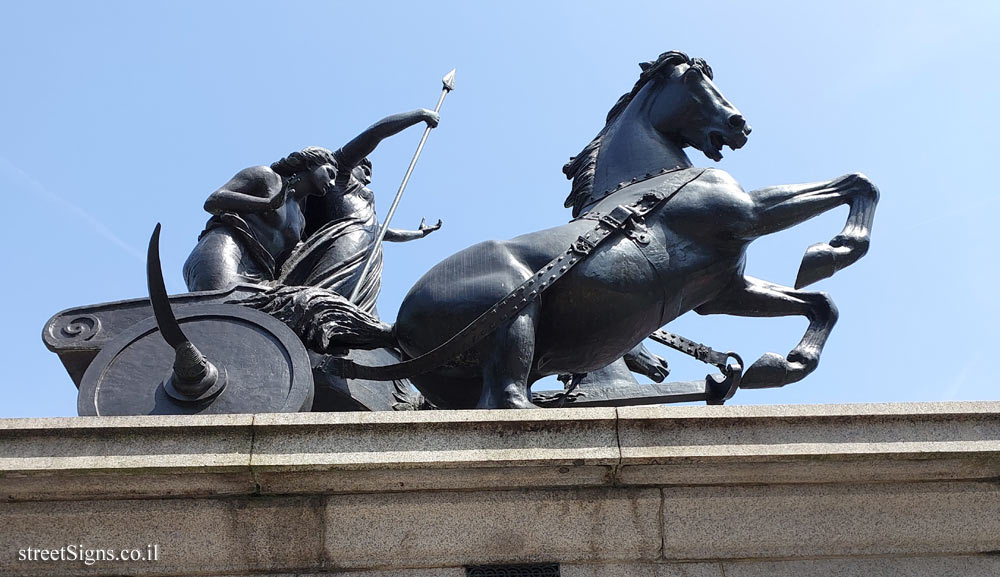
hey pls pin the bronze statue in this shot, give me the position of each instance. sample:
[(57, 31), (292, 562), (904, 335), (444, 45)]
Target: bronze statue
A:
[(652, 238)]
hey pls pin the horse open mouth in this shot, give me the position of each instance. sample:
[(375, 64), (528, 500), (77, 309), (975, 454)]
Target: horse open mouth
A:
[(716, 140), (715, 143)]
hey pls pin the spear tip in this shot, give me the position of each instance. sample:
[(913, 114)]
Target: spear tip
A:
[(449, 80)]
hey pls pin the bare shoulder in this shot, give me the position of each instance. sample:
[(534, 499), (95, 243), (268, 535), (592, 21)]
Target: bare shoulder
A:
[(256, 180)]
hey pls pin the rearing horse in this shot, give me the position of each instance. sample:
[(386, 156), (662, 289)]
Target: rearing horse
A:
[(599, 165), (655, 238)]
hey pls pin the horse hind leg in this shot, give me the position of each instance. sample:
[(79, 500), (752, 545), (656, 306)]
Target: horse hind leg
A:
[(507, 363), (757, 298)]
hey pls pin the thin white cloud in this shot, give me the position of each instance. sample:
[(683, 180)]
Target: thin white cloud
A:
[(16, 178)]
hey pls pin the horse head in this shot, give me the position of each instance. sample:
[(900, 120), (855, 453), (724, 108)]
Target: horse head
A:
[(685, 106), (674, 104)]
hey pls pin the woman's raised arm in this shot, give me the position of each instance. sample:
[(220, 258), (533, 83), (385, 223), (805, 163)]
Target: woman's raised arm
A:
[(352, 153)]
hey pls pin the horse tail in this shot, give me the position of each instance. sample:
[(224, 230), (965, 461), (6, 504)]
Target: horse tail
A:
[(323, 319)]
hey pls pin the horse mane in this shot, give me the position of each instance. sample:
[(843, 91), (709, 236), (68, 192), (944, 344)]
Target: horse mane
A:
[(581, 168)]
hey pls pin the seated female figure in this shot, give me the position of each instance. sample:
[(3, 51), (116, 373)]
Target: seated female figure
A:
[(257, 221)]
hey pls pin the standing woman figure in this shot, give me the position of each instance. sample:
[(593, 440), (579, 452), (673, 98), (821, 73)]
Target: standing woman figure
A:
[(341, 227)]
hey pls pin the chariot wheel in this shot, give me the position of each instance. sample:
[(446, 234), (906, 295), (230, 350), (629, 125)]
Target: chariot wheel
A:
[(258, 366)]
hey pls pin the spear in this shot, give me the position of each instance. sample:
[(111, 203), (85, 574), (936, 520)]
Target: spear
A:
[(448, 84)]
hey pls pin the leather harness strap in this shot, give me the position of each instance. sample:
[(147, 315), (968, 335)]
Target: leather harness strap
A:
[(703, 353), (618, 219)]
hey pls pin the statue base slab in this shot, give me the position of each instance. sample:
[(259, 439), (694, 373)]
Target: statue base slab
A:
[(902, 489)]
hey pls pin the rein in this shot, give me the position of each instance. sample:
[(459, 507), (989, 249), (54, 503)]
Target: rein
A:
[(621, 218)]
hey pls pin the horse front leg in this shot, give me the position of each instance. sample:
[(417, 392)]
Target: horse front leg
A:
[(756, 298), (780, 207), (507, 363), (822, 259)]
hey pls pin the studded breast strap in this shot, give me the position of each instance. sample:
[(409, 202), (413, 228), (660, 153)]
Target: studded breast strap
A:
[(619, 219)]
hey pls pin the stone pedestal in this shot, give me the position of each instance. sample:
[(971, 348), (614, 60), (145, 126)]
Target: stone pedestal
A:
[(897, 489)]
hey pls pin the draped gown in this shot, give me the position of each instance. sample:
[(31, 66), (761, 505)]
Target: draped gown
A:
[(336, 248)]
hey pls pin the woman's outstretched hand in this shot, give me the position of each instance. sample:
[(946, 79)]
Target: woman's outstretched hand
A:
[(428, 229)]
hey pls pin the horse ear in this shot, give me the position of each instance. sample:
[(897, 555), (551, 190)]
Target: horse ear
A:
[(645, 66), (693, 74)]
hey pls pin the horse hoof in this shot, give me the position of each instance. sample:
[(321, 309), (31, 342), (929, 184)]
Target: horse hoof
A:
[(803, 361), (513, 397), (520, 404), (818, 263), (770, 370), (657, 369)]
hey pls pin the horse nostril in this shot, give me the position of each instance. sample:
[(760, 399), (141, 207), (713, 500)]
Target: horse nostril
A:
[(737, 121)]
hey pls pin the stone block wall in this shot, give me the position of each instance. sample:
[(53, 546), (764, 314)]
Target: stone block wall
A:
[(898, 490)]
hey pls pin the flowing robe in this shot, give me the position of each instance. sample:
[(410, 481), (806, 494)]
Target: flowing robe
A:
[(333, 257), (336, 248)]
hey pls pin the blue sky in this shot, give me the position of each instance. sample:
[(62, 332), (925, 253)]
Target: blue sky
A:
[(117, 115)]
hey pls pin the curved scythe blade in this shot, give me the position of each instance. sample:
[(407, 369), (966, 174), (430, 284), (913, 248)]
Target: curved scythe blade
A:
[(165, 319)]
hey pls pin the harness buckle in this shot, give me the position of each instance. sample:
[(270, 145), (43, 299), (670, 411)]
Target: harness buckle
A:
[(583, 245), (637, 231), (618, 217)]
